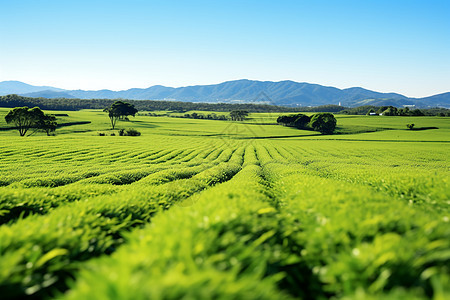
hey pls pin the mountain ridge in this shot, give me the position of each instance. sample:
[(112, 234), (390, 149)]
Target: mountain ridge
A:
[(286, 93)]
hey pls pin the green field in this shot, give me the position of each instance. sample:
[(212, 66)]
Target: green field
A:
[(205, 209)]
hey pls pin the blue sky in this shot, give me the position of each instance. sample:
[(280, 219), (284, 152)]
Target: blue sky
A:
[(401, 46)]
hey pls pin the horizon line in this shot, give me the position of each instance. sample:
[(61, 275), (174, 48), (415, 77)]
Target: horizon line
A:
[(226, 81)]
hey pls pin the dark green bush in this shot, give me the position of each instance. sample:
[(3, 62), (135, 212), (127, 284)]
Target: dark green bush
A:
[(132, 132), (325, 123)]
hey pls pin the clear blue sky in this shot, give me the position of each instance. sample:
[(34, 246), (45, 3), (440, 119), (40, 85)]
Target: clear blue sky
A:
[(401, 46)]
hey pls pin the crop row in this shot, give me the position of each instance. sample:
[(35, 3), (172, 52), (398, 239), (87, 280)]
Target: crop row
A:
[(227, 246), (268, 221), (19, 202), (397, 177), (55, 173), (41, 251), (276, 231), (63, 157)]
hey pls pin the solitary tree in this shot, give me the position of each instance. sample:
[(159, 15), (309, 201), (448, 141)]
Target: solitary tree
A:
[(325, 123), (238, 115), (410, 126), (119, 110), (24, 118)]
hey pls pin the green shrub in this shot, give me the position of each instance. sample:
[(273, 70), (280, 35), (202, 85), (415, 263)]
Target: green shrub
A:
[(325, 123), (132, 132)]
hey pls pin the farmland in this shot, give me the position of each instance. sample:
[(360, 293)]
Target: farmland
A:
[(198, 209)]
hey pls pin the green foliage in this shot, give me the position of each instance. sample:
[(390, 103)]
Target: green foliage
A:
[(390, 111), (406, 111), (286, 120), (132, 132), (299, 121), (370, 111), (416, 112), (302, 121), (119, 110), (47, 123), (24, 118), (325, 123), (195, 115), (146, 105), (360, 110), (238, 115)]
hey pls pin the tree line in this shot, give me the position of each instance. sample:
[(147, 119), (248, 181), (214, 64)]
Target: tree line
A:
[(194, 115), (394, 111), (182, 107), (234, 115), (141, 105)]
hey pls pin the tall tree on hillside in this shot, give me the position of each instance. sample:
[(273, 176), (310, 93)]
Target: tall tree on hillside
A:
[(24, 118), (119, 110)]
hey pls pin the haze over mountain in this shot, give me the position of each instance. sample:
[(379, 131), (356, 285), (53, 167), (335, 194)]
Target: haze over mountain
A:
[(18, 87), (287, 93)]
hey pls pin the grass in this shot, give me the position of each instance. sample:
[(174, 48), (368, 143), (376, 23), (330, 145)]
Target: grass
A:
[(217, 209)]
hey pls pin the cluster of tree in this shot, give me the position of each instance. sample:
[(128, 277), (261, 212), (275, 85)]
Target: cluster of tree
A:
[(123, 132), (154, 114), (238, 115), (325, 123), (394, 111), (299, 121), (360, 110), (25, 118), (120, 110), (234, 115), (212, 116), (437, 111), (156, 105)]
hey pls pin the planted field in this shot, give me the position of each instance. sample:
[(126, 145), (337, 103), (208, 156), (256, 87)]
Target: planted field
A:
[(198, 209)]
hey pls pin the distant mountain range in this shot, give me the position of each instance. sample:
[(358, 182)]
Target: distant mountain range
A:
[(286, 93)]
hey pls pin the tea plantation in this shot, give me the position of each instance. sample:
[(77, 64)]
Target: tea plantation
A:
[(210, 209)]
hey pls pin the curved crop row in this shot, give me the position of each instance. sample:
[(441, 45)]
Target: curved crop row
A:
[(231, 233), (36, 249), (356, 239)]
